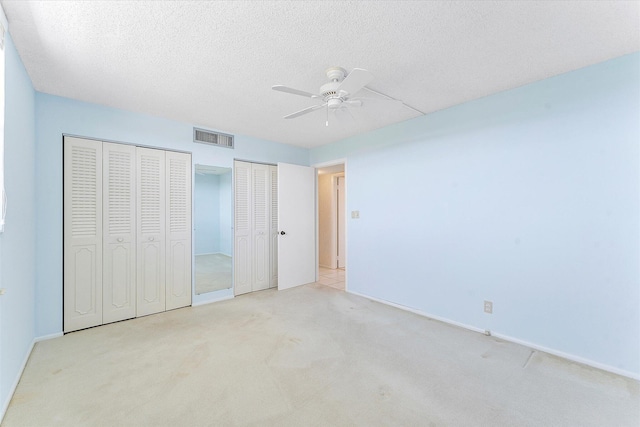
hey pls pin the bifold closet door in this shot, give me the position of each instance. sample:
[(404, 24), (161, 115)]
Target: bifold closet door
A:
[(151, 243), (256, 238), (260, 228), (82, 233), (178, 208), (273, 232), (119, 232), (242, 227), (127, 232)]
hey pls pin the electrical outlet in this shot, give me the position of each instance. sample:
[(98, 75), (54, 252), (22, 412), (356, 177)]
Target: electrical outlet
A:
[(488, 307), (355, 214)]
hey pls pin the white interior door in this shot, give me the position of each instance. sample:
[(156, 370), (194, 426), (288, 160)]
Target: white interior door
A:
[(273, 231), (260, 228), (242, 228), (151, 231), (82, 233), (119, 232), (178, 219), (341, 222), (296, 221)]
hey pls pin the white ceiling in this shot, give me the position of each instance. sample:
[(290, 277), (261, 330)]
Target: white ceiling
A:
[(212, 64)]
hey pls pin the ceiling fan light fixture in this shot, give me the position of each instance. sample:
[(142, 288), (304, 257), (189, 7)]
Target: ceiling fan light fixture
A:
[(334, 103)]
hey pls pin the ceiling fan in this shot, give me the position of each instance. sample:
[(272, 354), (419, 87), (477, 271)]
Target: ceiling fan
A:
[(337, 93)]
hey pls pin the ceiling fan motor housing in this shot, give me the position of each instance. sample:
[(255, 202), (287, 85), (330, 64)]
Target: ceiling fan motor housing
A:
[(331, 96)]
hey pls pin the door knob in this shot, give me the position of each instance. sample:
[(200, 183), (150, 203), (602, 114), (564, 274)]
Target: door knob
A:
[(120, 239), (283, 233), (151, 239)]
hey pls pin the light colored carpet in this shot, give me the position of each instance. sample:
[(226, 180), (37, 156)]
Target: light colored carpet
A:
[(213, 273), (308, 356)]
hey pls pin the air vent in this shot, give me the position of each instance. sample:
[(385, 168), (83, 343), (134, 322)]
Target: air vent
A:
[(212, 138)]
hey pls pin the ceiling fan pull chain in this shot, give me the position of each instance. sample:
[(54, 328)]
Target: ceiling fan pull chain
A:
[(327, 122)]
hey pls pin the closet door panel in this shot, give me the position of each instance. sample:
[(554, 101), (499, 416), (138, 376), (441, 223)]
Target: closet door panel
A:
[(82, 233), (178, 208), (242, 228), (151, 231), (260, 231), (119, 232), (273, 231)]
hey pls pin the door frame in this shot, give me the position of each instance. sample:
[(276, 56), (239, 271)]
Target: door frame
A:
[(334, 230), (337, 207), (334, 238)]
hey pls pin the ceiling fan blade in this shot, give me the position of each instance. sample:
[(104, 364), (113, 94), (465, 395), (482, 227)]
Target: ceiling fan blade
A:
[(356, 80), (286, 89), (305, 111)]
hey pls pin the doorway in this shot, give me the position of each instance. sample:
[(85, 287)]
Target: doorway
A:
[(213, 228), (331, 213)]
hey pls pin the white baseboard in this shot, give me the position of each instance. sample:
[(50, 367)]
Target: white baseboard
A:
[(419, 312), (212, 301), (48, 337), (13, 387), (561, 354), (12, 390), (568, 356)]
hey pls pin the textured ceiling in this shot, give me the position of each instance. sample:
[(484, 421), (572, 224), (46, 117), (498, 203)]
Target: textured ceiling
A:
[(213, 63)]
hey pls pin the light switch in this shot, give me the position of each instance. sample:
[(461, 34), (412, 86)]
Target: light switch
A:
[(355, 214)]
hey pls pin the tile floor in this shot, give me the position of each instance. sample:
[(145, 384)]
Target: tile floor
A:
[(332, 278)]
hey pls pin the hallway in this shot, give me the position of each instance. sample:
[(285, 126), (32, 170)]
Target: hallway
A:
[(332, 278)]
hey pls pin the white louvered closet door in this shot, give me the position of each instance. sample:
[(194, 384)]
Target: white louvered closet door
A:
[(119, 232), (260, 237), (255, 231), (151, 243), (82, 233), (273, 232), (178, 258), (242, 227)]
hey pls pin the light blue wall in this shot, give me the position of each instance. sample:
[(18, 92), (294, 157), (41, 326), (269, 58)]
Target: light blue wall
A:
[(226, 213), (206, 214), (57, 116), (18, 242), (528, 198), (213, 214)]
